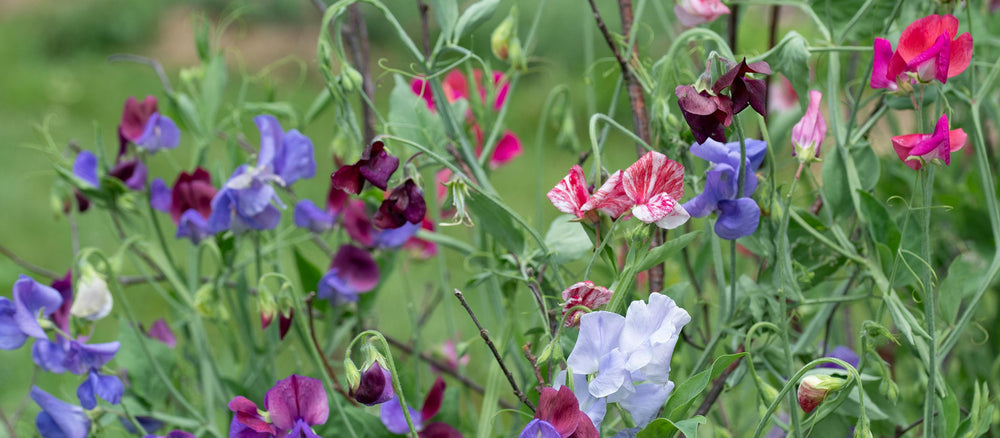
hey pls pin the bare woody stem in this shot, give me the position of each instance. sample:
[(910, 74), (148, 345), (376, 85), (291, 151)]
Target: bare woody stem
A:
[(28, 265), (326, 363), (424, 28), (356, 35), (489, 343)]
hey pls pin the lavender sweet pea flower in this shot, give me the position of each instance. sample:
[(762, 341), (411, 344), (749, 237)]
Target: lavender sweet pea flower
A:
[(85, 168), (539, 429), (82, 358), (109, 388), (245, 202), (159, 133), (50, 356), (173, 434), (308, 215), (394, 420), (159, 195), (353, 271), (288, 154), (19, 318), (193, 226), (738, 214), (59, 419)]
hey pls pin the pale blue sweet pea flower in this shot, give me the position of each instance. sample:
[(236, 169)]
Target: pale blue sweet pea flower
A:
[(739, 215)]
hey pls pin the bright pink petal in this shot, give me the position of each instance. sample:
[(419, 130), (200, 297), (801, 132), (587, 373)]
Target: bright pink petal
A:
[(610, 198), (508, 148), (569, 195), (440, 178), (936, 140), (932, 63), (961, 54), (920, 36), (956, 139), (655, 209), (455, 86), (880, 65), (902, 144), (421, 88), (651, 175)]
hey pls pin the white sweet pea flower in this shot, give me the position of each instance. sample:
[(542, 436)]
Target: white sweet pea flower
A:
[(92, 299)]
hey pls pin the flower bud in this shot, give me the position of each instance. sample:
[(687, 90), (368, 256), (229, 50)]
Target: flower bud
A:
[(374, 386), (813, 389), (808, 133), (500, 39), (268, 307), (93, 299), (350, 79), (517, 57)]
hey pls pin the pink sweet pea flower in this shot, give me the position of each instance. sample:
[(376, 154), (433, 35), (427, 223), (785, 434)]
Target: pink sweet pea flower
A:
[(928, 47), (809, 132), (570, 194), (916, 149), (585, 294), (611, 198), (694, 12)]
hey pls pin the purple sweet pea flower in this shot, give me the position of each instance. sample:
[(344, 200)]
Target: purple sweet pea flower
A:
[(149, 424), (143, 125), (539, 429), (85, 168), (353, 271), (59, 419), (159, 195), (629, 356), (393, 418), (405, 204), (395, 237), (65, 288), (289, 155), (19, 318), (296, 403), (131, 172), (161, 332), (248, 423), (308, 215), (375, 386), (193, 226), (173, 434), (160, 133), (82, 358), (245, 202), (50, 356), (843, 353), (738, 214), (109, 388)]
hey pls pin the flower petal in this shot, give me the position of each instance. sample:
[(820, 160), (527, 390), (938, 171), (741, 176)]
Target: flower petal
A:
[(570, 194), (393, 418), (599, 334), (737, 218), (610, 198), (657, 208), (294, 398), (85, 168), (295, 160)]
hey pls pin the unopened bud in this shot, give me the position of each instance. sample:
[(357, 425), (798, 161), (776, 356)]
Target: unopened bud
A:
[(500, 39), (93, 299), (350, 79), (374, 386), (517, 58), (814, 388)]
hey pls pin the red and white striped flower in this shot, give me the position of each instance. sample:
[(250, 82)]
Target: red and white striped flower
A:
[(652, 187), (571, 193)]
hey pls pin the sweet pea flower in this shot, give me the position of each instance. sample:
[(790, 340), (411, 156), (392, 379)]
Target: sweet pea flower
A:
[(559, 416), (19, 318), (353, 271), (93, 299), (743, 90), (507, 149), (59, 419), (309, 216), (707, 114), (424, 249), (131, 172), (585, 294), (628, 356), (375, 166), (173, 434), (143, 125), (359, 227), (85, 168), (652, 188), (159, 195), (192, 191), (570, 194), (160, 331), (394, 419), (814, 388), (843, 353), (809, 132), (292, 405), (739, 215), (694, 12), (374, 387), (107, 387), (65, 288), (917, 149), (405, 203), (928, 48)]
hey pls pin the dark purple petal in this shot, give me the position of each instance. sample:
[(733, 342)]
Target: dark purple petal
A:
[(335, 200), (161, 332), (135, 116), (439, 430), (377, 166), (65, 288), (539, 429), (375, 386), (560, 409), (85, 168), (240, 430), (295, 159), (737, 218), (432, 403), (393, 418), (109, 388), (159, 195), (297, 398), (308, 215), (192, 190), (285, 322), (11, 336), (394, 238), (405, 203), (179, 434), (356, 223), (357, 268), (50, 356), (160, 133), (58, 418), (194, 227), (132, 173), (30, 300), (843, 353), (149, 424)]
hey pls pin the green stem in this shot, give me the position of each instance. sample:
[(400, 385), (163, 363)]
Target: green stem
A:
[(853, 376), (930, 399)]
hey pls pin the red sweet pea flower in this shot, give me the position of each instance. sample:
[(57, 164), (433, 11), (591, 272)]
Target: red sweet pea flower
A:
[(917, 149), (928, 48)]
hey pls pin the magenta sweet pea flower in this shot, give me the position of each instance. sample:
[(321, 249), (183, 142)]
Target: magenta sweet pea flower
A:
[(917, 149), (292, 406), (393, 418), (59, 419), (694, 12), (19, 318), (507, 149), (928, 48), (160, 331), (585, 294), (809, 132), (353, 271)]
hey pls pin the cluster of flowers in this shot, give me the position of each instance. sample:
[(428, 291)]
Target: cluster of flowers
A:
[(928, 50)]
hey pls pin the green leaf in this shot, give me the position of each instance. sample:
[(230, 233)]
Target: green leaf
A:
[(410, 118), (447, 16), (662, 427), (792, 60), (964, 276), (883, 229), (835, 184), (952, 416), (685, 393), (567, 239), (474, 16), (213, 85), (363, 423), (867, 165), (666, 250), (496, 221), (145, 382), (309, 274)]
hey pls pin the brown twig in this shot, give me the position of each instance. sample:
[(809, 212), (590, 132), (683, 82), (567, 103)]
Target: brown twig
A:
[(356, 35), (444, 368), (901, 432), (28, 265), (424, 29), (733, 21), (496, 355), (713, 394), (526, 349), (319, 349)]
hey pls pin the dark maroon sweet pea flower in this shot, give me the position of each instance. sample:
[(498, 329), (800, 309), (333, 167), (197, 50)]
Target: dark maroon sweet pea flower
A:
[(393, 418), (295, 403), (134, 117), (562, 410), (405, 203), (353, 271), (375, 166), (375, 386), (706, 114), (356, 223), (285, 322), (131, 172), (192, 191), (743, 90)]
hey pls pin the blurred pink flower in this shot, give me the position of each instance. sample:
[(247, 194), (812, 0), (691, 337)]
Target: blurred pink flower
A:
[(809, 132), (694, 12)]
